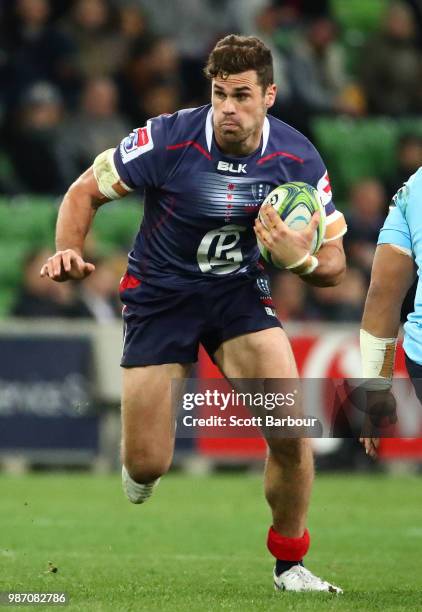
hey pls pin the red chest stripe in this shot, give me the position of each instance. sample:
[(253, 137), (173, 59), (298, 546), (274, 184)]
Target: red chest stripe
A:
[(277, 154), (189, 143)]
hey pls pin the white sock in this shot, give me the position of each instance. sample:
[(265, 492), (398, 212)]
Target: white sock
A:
[(136, 492)]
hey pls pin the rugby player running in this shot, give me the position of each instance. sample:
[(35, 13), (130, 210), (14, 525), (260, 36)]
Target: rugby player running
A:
[(193, 274)]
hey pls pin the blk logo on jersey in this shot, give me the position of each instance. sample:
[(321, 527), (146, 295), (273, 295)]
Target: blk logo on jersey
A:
[(229, 167)]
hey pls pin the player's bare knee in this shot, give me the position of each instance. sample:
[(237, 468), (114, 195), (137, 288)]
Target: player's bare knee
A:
[(290, 453)]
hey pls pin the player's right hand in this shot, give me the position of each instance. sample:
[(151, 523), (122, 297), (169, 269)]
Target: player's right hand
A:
[(286, 245), (371, 446), (66, 265), (381, 412)]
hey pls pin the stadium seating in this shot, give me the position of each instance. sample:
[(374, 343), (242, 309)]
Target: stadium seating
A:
[(358, 16), (29, 219), (357, 21), (356, 149), (116, 224), (27, 223), (11, 260)]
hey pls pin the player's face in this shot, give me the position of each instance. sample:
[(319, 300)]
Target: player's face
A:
[(240, 106)]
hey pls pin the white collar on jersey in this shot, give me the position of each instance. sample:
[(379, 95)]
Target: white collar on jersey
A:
[(209, 132)]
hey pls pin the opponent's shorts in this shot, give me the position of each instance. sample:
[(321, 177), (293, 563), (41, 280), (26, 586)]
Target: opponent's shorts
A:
[(165, 325)]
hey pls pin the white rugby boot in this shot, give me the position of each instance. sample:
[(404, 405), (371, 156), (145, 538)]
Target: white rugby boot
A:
[(300, 579), (136, 492)]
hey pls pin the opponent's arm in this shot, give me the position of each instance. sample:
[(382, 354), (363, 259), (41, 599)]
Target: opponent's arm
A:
[(292, 249), (393, 272), (99, 184)]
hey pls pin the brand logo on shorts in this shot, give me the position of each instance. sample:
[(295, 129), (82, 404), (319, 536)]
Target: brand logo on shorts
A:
[(263, 286), (266, 299), (268, 304)]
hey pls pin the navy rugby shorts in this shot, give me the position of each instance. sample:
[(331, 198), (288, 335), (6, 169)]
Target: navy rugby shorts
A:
[(166, 325)]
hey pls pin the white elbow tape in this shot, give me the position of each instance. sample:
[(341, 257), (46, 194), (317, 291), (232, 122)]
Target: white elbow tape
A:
[(108, 180), (377, 360)]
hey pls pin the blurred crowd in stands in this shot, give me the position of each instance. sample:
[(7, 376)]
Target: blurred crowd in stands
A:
[(77, 75), (96, 298)]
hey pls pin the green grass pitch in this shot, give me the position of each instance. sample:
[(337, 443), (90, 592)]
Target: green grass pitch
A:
[(199, 543)]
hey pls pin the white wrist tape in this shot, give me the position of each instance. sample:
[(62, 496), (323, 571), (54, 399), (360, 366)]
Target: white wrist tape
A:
[(377, 360), (108, 180), (313, 265), (307, 264), (297, 263)]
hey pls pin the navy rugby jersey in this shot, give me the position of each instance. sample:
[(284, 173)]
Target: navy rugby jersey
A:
[(200, 204)]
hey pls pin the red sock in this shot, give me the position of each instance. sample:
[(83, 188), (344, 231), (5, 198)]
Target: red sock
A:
[(287, 549)]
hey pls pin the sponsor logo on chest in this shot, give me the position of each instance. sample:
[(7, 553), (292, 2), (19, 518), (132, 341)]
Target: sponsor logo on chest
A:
[(229, 167)]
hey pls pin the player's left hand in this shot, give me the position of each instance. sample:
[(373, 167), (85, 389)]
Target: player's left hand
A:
[(286, 245), (66, 265)]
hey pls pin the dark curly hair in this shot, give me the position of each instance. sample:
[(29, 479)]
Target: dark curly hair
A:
[(234, 54)]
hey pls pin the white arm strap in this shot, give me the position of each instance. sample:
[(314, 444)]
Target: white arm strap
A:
[(108, 180), (377, 360)]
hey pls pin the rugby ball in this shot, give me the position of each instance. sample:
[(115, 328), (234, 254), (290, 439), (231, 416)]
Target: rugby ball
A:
[(296, 202)]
